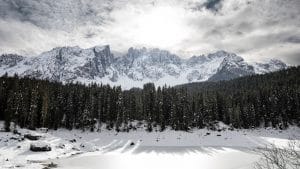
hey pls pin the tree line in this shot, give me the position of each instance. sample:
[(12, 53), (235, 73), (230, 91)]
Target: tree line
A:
[(270, 100)]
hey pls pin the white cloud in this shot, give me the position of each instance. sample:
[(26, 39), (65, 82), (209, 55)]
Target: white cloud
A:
[(252, 28)]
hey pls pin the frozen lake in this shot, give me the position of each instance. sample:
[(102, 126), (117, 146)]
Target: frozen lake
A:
[(164, 157), (197, 149)]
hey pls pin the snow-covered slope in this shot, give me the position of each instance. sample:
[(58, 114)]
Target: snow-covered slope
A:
[(137, 67)]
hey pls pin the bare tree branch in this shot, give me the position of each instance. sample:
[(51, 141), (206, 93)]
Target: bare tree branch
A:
[(274, 157)]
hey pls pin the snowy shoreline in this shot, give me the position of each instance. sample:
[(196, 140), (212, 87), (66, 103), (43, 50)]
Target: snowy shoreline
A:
[(67, 145)]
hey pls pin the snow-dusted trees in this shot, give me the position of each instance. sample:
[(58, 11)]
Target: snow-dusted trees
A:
[(271, 100)]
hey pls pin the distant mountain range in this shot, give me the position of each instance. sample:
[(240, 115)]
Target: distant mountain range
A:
[(135, 68)]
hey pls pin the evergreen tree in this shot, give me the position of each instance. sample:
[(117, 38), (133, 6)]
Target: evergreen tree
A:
[(270, 100)]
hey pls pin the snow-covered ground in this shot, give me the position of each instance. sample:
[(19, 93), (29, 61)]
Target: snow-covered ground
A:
[(140, 149)]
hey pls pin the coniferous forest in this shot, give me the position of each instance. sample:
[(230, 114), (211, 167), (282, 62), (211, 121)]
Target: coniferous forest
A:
[(270, 100)]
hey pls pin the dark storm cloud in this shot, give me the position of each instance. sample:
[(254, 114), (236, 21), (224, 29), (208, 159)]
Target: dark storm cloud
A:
[(214, 5), (293, 39), (211, 5)]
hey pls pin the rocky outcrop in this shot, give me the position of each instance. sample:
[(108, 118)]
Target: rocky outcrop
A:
[(40, 147)]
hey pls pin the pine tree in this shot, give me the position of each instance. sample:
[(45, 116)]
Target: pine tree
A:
[(119, 109), (33, 110), (148, 103)]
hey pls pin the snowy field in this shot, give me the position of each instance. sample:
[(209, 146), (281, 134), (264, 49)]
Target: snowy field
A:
[(203, 149)]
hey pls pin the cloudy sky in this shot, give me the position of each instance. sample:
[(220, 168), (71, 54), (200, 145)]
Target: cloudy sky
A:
[(254, 29)]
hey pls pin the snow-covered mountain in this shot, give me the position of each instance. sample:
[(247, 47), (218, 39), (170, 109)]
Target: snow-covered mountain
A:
[(232, 66), (137, 67)]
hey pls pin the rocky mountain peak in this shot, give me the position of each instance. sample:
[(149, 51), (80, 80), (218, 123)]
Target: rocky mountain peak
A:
[(153, 55), (218, 54), (277, 63), (232, 61), (10, 60), (231, 67), (133, 69), (195, 60), (269, 66)]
